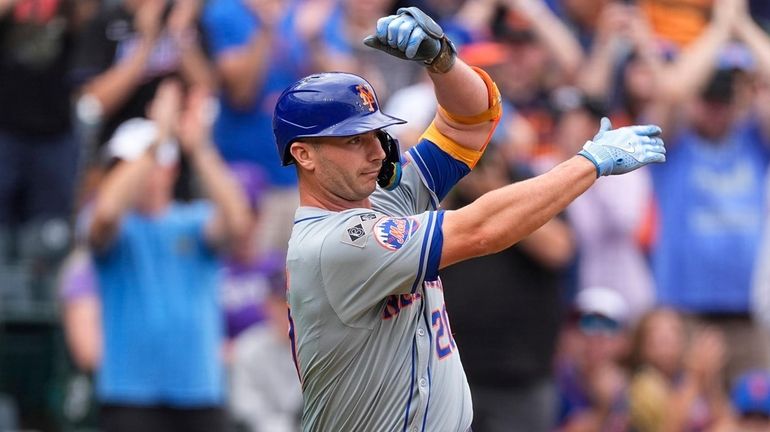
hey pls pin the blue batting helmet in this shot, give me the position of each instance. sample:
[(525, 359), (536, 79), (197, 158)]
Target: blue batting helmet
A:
[(332, 104)]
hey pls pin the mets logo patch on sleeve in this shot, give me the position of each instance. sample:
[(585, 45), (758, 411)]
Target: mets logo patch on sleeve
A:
[(392, 233)]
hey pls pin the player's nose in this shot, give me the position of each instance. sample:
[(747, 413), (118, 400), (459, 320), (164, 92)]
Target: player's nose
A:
[(374, 147)]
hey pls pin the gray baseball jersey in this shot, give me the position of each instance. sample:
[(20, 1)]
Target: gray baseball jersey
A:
[(369, 328)]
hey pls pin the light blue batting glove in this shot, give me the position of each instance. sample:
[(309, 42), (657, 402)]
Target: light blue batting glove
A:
[(622, 150), (413, 35)]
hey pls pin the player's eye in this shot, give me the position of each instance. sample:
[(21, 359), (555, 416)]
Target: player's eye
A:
[(355, 140)]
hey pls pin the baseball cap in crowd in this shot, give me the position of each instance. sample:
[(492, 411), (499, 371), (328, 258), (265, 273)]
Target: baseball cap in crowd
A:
[(252, 179), (751, 394), (484, 54), (601, 310), (132, 138)]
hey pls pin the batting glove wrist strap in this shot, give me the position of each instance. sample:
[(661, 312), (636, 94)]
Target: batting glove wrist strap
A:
[(445, 59), (590, 157)]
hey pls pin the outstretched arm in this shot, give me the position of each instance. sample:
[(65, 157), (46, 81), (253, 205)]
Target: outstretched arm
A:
[(504, 216)]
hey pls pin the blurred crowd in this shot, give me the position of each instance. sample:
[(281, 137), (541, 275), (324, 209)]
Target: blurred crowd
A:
[(144, 213)]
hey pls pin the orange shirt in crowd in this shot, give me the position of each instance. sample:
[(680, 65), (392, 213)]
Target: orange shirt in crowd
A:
[(679, 21)]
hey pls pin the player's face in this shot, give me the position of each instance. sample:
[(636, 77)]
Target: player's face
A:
[(348, 166)]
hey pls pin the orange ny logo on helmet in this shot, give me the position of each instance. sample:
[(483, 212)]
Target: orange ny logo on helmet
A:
[(367, 96)]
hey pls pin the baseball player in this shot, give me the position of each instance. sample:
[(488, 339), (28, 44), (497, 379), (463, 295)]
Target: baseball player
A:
[(369, 329)]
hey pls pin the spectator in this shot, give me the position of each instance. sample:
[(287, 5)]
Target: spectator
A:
[(621, 206), (258, 52), (508, 353), (158, 273), (711, 192), (542, 55), (624, 63), (751, 402), (38, 152), (582, 16), (266, 394), (677, 381), (592, 384), (127, 50)]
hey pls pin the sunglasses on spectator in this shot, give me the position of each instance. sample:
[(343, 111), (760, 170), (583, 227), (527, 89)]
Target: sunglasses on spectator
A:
[(595, 324)]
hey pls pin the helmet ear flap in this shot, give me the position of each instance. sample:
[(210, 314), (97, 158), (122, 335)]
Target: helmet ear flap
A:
[(390, 173)]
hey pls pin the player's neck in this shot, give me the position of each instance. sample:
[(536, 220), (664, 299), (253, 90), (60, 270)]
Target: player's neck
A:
[(308, 198)]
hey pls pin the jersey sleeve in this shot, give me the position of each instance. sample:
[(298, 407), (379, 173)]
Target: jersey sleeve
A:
[(429, 171), (441, 161), (372, 256)]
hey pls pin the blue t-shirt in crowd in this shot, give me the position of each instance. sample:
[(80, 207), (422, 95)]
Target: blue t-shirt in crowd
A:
[(162, 322), (246, 134), (711, 202)]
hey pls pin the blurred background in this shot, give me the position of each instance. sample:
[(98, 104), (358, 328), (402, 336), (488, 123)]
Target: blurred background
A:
[(156, 284)]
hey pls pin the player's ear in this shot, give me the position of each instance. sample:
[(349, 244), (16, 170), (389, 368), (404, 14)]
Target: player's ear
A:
[(303, 154)]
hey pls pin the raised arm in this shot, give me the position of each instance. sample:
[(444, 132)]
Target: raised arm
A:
[(748, 32), (115, 85), (596, 76), (687, 76), (230, 221), (504, 216), (242, 52), (469, 102), (124, 184), (553, 33), (6, 6), (181, 26)]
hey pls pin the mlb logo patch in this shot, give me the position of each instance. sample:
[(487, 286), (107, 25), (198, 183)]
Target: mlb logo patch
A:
[(392, 233)]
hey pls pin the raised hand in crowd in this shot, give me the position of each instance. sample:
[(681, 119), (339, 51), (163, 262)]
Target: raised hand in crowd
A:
[(183, 18), (269, 12), (553, 33), (148, 19), (164, 110), (231, 221), (310, 21), (704, 365), (182, 27), (695, 64), (243, 68), (611, 41), (706, 357), (6, 6)]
